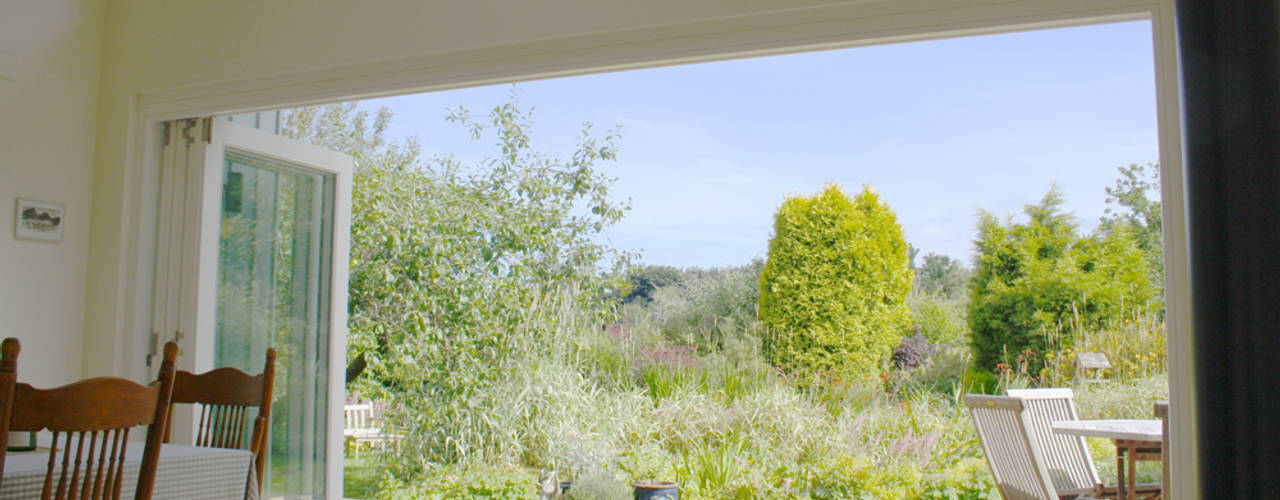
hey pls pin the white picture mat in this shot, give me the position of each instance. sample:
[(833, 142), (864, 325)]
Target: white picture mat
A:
[(50, 229)]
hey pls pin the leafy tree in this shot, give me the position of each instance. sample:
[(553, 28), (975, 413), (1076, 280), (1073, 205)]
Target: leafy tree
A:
[(644, 280), (445, 257), (1136, 200), (834, 287), (942, 276), (1038, 284)]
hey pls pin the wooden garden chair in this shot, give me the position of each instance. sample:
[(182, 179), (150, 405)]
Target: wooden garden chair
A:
[(1016, 462), (1067, 457), (1161, 410), (224, 397), (93, 417)]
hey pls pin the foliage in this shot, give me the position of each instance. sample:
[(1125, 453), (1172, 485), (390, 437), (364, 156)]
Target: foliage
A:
[(942, 276), (1134, 207), (599, 484), (444, 253), (939, 319), (479, 305), (449, 262), (705, 306), (770, 441), (441, 483), (1038, 284), (913, 352), (644, 280), (724, 428), (1134, 345), (834, 288)]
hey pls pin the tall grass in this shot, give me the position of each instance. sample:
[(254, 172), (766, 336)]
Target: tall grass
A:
[(1135, 346), (607, 404)]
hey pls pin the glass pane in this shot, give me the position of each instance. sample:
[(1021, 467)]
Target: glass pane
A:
[(273, 291)]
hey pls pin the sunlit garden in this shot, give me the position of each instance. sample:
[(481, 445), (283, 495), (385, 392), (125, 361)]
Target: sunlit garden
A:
[(513, 347)]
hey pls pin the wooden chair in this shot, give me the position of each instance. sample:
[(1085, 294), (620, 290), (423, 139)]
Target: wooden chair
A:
[(92, 417), (224, 396), (1066, 457), (1019, 468)]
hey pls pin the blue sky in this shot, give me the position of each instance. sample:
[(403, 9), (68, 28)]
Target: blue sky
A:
[(940, 128)]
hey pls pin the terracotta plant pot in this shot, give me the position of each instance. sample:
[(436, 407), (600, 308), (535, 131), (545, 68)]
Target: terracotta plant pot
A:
[(656, 490)]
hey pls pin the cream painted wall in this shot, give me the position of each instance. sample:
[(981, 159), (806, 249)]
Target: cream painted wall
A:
[(49, 58)]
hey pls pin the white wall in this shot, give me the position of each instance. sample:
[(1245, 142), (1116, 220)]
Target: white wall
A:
[(49, 58)]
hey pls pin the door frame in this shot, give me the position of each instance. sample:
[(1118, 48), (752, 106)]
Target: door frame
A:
[(840, 25)]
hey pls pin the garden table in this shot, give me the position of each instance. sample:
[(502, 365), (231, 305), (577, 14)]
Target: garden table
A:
[(183, 472), (1134, 439)]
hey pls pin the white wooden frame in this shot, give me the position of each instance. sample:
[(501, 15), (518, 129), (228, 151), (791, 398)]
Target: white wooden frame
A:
[(774, 32)]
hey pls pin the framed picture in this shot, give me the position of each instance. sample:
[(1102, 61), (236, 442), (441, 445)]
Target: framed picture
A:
[(38, 220)]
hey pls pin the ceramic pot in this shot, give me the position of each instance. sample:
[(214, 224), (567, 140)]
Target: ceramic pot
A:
[(656, 490)]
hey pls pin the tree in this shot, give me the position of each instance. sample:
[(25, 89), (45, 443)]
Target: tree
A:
[(942, 276), (1136, 196), (1038, 284), (444, 256), (834, 287), (644, 280)]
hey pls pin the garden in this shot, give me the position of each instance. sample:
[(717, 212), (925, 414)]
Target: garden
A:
[(513, 347)]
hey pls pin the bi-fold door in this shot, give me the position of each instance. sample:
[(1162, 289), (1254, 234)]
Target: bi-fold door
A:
[(252, 250)]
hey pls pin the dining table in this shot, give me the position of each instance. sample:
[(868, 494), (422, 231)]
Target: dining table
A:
[(184, 472), (1134, 440)]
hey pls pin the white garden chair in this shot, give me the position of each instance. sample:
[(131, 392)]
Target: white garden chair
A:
[(1066, 457), (359, 428), (1015, 459)]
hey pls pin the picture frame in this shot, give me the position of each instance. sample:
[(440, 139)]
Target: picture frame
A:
[(38, 220)]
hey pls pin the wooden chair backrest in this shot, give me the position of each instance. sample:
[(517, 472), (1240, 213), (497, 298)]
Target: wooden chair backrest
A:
[(91, 420), (224, 396), (1015, 461), (1067, 457)]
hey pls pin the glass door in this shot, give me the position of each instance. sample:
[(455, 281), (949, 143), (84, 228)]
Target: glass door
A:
[(273, 289), (261, 262)]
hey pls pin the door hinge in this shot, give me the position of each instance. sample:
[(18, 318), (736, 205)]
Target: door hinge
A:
[(208, 130), (151, 348), (187, 125)]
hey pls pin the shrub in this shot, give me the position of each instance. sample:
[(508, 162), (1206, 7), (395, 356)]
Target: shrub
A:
[(939, 319), (834, 288), (1038, 284), (913, 352), (643, 280), (704, 306)]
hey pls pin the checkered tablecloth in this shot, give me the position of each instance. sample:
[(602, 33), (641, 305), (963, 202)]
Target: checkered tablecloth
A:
[(185, 472)]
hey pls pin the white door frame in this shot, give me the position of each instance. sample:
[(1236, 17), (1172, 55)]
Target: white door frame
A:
[(835, 26)]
